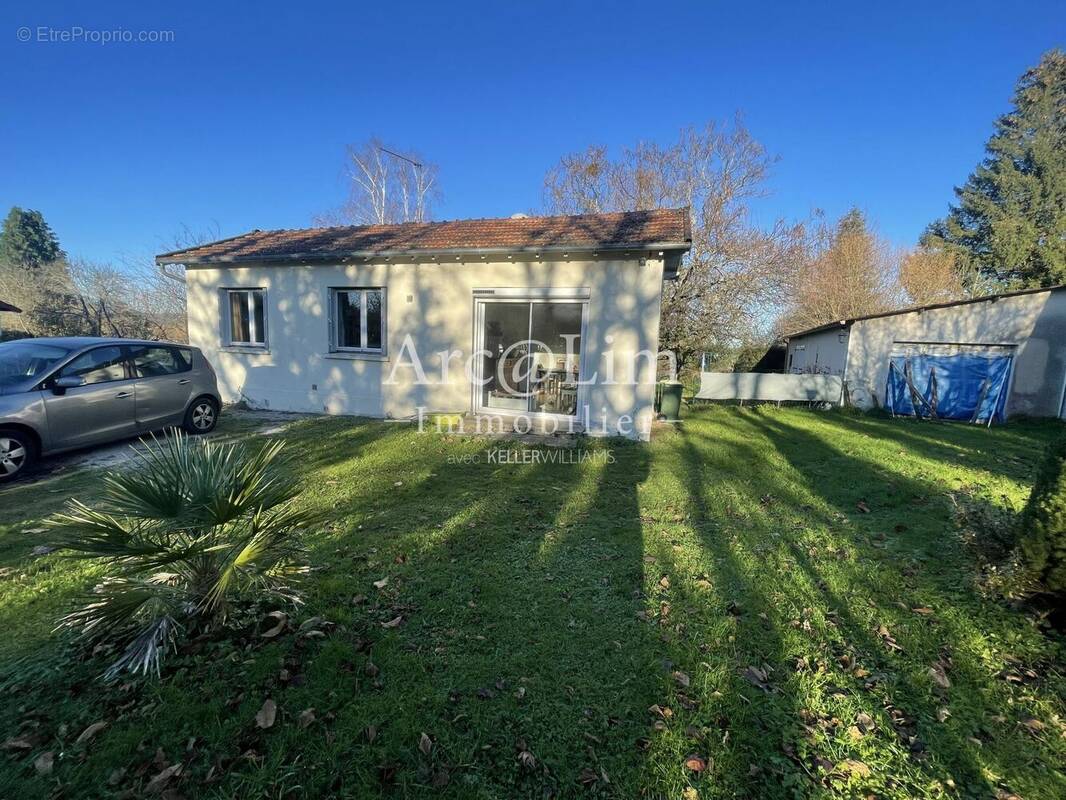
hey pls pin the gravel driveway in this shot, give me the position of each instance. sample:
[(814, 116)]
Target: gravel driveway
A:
[(234, 423)]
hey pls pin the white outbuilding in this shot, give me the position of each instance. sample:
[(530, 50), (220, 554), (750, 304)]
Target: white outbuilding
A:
[(981, 358)]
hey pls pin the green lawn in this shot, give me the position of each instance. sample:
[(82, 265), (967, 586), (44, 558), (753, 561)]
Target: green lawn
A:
[(782, 597)]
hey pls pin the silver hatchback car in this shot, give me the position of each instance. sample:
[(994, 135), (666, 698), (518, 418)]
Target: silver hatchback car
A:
[(65, 393)]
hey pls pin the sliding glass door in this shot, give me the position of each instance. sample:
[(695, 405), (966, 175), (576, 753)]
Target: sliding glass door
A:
[(531, 355)]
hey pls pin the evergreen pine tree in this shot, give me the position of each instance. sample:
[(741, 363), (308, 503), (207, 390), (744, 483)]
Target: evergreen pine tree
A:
[(27, 241), (1010, 222)]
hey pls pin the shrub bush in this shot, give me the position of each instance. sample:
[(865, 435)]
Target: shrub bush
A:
[(191, 527), (1043, 523)]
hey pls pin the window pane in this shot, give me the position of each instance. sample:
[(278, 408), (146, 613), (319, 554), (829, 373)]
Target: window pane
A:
[(151, 362), (239, 330), (373, 320), (260, 324), (97, 366), (348, 315), (556, 349), (506, 363)]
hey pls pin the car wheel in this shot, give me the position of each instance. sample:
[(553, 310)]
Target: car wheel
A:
[(17, 453), (202, 416)]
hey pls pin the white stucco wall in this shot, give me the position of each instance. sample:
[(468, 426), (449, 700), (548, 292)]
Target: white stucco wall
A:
[(824, 353), (434, 303), (1036, 323)]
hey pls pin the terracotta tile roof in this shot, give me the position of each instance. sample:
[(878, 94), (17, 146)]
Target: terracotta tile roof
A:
[(662, 229)]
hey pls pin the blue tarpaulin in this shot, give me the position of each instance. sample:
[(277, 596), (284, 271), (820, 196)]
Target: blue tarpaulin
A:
[(970, 387)]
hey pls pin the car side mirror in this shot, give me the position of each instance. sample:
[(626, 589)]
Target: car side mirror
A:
[(60, 385)]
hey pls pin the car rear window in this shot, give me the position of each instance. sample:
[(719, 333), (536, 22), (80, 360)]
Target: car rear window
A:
[(153, 362)]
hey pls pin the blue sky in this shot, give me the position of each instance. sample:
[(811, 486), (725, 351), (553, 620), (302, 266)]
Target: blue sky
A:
[(241, 121)]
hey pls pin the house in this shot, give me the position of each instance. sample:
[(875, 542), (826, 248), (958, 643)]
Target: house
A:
[(9, 309), (551, 321), (980, 358)]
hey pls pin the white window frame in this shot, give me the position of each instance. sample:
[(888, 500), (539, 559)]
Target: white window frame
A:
[(253, 327), (335, 315)]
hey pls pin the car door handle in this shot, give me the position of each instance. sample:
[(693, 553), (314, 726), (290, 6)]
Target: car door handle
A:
[(183, 381), (122, 395)]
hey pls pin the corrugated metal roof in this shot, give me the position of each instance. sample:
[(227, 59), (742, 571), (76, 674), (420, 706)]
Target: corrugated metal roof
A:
[(844, 323)]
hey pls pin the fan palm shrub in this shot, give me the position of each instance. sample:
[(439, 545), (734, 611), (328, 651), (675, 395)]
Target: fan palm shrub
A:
[(191, 527)]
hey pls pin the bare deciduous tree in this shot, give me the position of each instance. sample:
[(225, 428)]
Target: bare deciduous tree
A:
[(737, 272), (931, 276), (387, 186), (849, 272), (80, 297)]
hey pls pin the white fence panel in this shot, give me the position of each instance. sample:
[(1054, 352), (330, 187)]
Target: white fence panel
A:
[(769, 386)]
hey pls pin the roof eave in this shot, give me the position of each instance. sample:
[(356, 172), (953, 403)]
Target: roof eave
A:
[(177, 258), (828, 326)]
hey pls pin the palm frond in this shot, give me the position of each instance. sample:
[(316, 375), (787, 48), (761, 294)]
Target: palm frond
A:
[(146, 650), (261, 559), (216, 517)]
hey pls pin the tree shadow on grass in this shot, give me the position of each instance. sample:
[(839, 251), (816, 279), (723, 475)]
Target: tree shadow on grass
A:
[(520, 629), (517, 587), (1010, 446), (873, 591)]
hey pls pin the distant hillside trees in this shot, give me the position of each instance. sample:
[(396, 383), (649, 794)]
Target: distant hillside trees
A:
[(62, 296), (1010, 220), (850, 271)]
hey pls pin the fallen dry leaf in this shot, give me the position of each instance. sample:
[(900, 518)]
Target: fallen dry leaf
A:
[(267, 714), (850, 766), (861, 505), (757, 677), (44, 762), (282, 620), (682, 678), (306, 718), (695, 763), (371, 733), (690, 793), (394, 622), (940, 678), (381, 584), (525, 758), (18, 743), (313, 622), (90, 732), (159, 782), (425, 744)]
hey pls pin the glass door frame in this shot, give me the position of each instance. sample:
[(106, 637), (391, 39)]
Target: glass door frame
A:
[(526, 297)]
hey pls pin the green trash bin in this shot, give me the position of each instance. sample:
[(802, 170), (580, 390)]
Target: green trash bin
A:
[(670, 399)]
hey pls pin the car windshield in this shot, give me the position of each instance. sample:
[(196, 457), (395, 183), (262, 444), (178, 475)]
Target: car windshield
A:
[(22, 360)]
